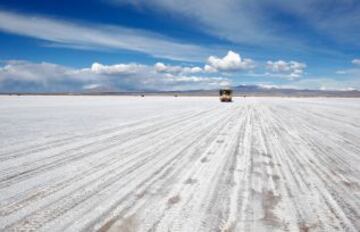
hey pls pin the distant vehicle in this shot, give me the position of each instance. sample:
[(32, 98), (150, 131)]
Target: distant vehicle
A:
[(225, 95)]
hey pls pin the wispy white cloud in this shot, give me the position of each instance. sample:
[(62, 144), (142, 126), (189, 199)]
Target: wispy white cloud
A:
[(229, 19), (90, 36), (259, 23), (356, 61), (353, 72), (334, 20)]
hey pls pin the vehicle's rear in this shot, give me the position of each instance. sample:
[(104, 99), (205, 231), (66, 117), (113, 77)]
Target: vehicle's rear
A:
[(225, 95)]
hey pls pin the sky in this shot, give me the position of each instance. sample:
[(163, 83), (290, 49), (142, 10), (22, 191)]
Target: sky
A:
[(130, 45)]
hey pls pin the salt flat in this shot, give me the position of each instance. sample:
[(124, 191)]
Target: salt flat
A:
[(80, 163)]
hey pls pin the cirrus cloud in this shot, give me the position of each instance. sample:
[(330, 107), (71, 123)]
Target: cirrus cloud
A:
[(99, 37)]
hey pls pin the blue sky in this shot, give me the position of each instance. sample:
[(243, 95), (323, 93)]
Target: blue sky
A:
[(50, 46)]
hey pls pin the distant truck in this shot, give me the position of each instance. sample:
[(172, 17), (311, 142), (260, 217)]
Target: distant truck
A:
[(225, 95)]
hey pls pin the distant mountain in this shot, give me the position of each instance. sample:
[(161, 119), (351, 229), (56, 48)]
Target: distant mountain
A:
[(240, 90), (255, 90)]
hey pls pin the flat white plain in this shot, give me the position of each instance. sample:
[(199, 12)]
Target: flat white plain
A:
[(81, 163)]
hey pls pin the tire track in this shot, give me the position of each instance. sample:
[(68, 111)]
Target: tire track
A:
[(258, 164), (143, 162)]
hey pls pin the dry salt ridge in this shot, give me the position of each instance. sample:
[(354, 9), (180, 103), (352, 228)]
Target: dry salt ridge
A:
[(82, 163)]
